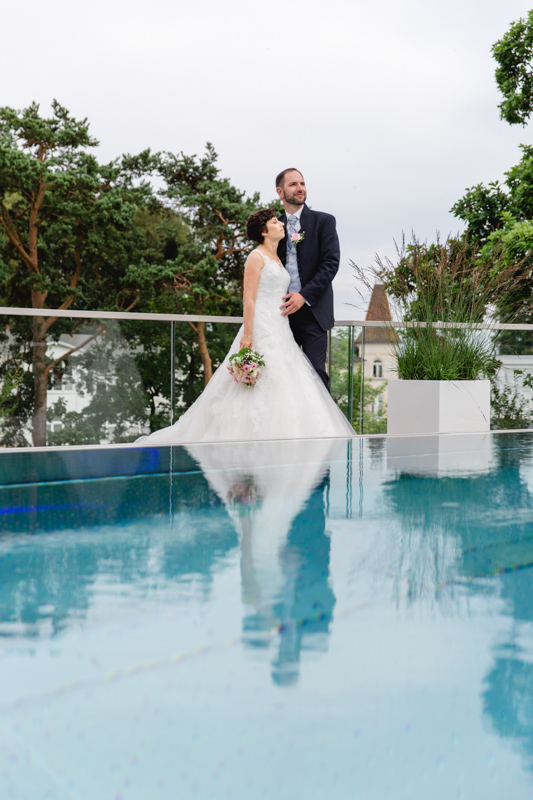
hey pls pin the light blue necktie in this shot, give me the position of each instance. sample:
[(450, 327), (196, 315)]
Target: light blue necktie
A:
[(292, 259), (292, 227)]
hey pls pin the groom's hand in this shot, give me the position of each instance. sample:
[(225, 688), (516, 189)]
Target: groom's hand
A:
[(293, 302)]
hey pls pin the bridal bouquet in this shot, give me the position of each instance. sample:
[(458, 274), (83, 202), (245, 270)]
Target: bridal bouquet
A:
[(244, 496), (244, 366)]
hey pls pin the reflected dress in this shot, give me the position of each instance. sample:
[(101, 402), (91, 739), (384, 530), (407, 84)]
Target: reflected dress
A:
[(289, 400)]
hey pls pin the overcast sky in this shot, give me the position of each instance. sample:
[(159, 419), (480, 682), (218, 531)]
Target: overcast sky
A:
[(388, 107)]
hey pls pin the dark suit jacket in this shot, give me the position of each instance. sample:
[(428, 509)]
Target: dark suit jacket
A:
[(318, 262)]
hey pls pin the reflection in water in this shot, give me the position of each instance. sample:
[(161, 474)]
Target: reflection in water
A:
[(508, 701), (244, 497), (377, 449), (457, 519), (276, 496), (464, 534), (64, 542), (306, 607), (475, 532), (138, 534)]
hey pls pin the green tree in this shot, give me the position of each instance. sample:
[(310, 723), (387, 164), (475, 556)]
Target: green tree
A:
[(78, 234), (67, 226), (486, 209), (514, 75), (8, 393), (482, 208), (499, 216), (513, 244)]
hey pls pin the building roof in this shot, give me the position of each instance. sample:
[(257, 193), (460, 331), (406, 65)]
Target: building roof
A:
[(378, 309)]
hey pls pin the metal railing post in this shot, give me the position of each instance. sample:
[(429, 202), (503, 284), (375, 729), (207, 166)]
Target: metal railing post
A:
[(362, 387), (350, 374), (172, 372), (171, 489), (361, 477), (349, 478)]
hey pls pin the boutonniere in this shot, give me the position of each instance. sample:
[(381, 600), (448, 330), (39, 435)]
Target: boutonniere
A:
[(296, 238)]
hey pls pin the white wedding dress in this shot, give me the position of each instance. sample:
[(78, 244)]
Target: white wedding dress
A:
[(289, 400)]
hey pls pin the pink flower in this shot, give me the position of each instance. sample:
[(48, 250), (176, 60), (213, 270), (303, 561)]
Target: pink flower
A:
[(244, 368), (295, 237)]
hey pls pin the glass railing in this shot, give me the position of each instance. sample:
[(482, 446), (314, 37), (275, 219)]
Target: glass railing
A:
[(108, 377)]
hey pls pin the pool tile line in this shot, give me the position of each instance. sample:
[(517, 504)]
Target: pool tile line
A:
[(178, 658), (115, 675)]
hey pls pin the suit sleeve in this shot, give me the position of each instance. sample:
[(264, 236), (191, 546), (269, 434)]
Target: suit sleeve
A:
[(330, 256)]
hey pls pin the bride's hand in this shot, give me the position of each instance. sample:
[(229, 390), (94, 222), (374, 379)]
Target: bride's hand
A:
[(246, 341)]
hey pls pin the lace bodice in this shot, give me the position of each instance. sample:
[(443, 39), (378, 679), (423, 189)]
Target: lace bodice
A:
[(274, 279), (273, 284)]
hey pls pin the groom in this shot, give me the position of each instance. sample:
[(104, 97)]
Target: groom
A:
[(311, 254)]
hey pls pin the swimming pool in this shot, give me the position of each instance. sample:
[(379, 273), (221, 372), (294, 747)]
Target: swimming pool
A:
[(313, 619)]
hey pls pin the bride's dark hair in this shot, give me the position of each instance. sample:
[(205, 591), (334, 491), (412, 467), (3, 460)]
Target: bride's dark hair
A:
[(256, 224)]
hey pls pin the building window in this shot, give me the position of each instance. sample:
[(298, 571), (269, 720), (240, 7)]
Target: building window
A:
[(378, 407), (60, 381), (377, 369), (54, 426)]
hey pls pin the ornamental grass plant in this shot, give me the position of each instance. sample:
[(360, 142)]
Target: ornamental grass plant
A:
[(444, 291), (440, 354)]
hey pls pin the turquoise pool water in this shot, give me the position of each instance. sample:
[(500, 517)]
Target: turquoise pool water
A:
[(289, 621)]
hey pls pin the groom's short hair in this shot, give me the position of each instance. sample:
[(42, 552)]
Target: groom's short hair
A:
[(280, 180)]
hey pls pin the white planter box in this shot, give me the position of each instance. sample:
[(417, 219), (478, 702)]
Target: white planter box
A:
[(438, 406)]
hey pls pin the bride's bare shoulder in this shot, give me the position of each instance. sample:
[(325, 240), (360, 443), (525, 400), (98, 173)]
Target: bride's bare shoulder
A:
[(255, 260)]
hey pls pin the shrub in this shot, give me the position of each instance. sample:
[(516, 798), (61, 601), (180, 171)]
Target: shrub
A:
[(444, 290)]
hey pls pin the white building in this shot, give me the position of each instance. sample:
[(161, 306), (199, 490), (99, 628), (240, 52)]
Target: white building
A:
[(63, 385), (376, 353)]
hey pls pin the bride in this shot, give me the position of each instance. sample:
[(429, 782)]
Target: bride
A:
[(289, 400)]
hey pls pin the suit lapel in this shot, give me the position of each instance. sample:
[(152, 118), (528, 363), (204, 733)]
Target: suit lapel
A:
[(305, 228)]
